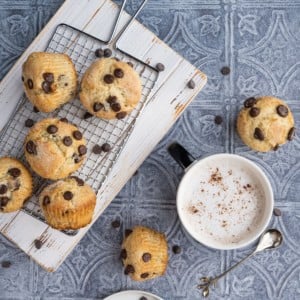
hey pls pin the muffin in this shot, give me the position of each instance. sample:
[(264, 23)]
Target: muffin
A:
[(55, 149), (49, 80), (265, 123), (144, 253), (110, 89), (15, 184), (68, 203)]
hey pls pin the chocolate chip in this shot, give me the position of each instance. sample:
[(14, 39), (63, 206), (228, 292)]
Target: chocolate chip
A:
[(176, 249), (3, 189), (30, 84), (4, 201), (14, 172), (107, 52), (282, 111), (38, 244), (277, 212), (119, 73), (128, 232), (31, 148), (129, 269), (67, 141), (276, 147), (250, 102), (76, 158), (46, 86), (144, 275), (51, 129), (218, 120), (191, 84), (97, 149), (291, 133), (99, 52), (65, 120), (123, 254), (79, 181), (49, 77), (35, 109), (121, 115), (258, 134), (225, 70), (82, 150), (109, 79), (160, 67), (130, 64), (22, 78), (143, 298), (29, 123), (87, 115), (106, 147), (77, 135), (5, 264), (68, 195), (111, 99), (146, 257), (116, 224), (46, 200), (66, 84), (116, 107), (97, 106), (254, 112)]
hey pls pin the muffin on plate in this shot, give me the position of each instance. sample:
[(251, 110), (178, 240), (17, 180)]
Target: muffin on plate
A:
[(49, 80), (265, 123), (110, 89), (144, 253), (15, 184), (55, 149), (68, 203)]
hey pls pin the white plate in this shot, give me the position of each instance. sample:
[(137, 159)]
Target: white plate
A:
[(132, 295)]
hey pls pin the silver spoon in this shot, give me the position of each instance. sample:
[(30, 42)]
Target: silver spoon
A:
[(271, 239)]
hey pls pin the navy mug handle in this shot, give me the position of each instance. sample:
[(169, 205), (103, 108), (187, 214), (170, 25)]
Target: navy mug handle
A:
[(181, 155)]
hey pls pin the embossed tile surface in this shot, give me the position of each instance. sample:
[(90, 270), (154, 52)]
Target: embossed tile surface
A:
[(260, 42)]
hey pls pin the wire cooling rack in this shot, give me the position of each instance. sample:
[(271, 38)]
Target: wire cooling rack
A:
[(81, 48)]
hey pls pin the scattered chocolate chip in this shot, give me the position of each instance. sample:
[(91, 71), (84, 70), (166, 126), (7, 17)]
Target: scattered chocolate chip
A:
[(144, 275), (225, 70), (130, 64), (49, 77), (30, 84), (111, 99), (107, 52), (67, 141), (258, 134), (82, 150), (4, 201), (87, 115), (14, 172), (65, 120), (128, 232), (254, 112), (5, 264), (79, 181), (250, 102), (29, 123), (146, 257), (277, 212), (51, 129), (99, 52), (35, 109), (38, 244), (143, 298), (97, 149), (119, 73), (218, 120), (3, 189), (116, 223), (22, 78), (108, 78), (68, 195), (291, 133), (121, 115), (176, 249), (106, 147), (129, 269), (160, 67), (46, 200), (116, 107), (123, 254), (66, 84), (46, 86), (191, 84), (31, 148), (76, 158), (77, 135), (97, 106), (282, 111), (276, 147)]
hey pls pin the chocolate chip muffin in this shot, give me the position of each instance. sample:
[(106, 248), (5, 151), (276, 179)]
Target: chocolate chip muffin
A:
[(15, 184), (68, 203), (49, 80), (144, 253), (265, 123), (54, 148), (110, 89)]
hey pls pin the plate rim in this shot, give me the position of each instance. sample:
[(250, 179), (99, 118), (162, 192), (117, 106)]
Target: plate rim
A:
[(131, 291)]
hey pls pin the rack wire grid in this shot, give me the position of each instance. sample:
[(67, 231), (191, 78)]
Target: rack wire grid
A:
[(81, 48)]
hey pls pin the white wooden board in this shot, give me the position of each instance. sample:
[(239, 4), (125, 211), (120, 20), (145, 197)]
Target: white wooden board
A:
[(169, 98)]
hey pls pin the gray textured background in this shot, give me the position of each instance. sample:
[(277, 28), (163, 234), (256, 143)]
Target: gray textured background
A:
[(260, 41)]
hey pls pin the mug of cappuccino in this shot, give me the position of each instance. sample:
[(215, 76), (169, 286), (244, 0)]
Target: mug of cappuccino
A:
[(224, 201)]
